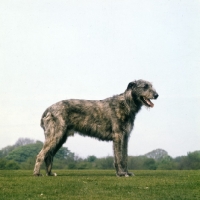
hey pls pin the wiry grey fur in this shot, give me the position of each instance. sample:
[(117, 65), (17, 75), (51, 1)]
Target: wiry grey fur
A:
[(111, 119)]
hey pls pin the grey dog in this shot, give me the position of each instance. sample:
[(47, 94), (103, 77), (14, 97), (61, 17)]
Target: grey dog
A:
[(111, 119)]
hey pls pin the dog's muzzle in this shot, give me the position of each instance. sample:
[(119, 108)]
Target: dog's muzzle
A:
[(155, 95)]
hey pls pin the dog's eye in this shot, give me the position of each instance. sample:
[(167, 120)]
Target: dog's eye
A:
[(146, 86)]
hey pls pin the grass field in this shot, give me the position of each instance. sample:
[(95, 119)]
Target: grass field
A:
[(100, 184)]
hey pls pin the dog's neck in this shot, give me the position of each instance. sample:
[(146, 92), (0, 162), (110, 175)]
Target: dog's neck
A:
[(131, 103)]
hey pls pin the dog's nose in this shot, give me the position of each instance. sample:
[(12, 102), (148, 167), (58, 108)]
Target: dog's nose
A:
[(156, 95)]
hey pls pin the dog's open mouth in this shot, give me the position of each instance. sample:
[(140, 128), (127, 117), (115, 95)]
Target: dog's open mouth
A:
[(147, 102)]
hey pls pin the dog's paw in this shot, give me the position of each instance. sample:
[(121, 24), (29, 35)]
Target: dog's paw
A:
[(125, 174), (131, 174), (37, 175), (51, 174)]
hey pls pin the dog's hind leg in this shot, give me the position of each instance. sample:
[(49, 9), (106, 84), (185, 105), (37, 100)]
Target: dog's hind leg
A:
[(56, 144), (54, 138)]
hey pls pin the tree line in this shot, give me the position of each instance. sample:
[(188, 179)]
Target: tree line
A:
[(23, 153)]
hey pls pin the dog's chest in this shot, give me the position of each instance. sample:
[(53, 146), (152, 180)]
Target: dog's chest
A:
[(128, 127)]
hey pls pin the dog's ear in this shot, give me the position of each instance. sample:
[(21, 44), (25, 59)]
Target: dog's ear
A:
[(131, 85)]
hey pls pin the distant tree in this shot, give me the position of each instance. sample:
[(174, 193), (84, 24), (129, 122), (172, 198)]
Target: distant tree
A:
[(182, 162), (8, 165), (12, 165), (20, 142), (29, 164), (24, 141), (150, 163), (91, 158), (64, 153), (141, 162), (22, 153), (72, 165), (6, 150), (105, 163), (157, 154), (191, 161), (194, 159), (3, 162), (136, 162), (83, 165), (63, 158), (166, 163)]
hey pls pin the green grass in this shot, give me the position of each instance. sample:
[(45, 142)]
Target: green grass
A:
[(100, 184)]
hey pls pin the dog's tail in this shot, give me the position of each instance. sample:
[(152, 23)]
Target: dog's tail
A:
[(48, 124), (46, 116), (41, 121)]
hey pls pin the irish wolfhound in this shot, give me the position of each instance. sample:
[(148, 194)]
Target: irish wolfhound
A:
[(111, 119)]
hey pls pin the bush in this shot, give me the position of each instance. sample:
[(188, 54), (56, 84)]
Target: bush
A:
[(11, 165), (8, 164)]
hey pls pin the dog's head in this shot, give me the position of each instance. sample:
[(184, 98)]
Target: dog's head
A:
[(143, 92)]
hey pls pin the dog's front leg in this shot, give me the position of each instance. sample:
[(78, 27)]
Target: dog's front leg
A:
[(125, 154), (120, 143)]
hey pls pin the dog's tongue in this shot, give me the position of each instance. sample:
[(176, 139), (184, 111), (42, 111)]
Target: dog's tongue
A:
[(149, 103)]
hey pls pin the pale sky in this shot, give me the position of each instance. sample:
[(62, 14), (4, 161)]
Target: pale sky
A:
[(52, 50)]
